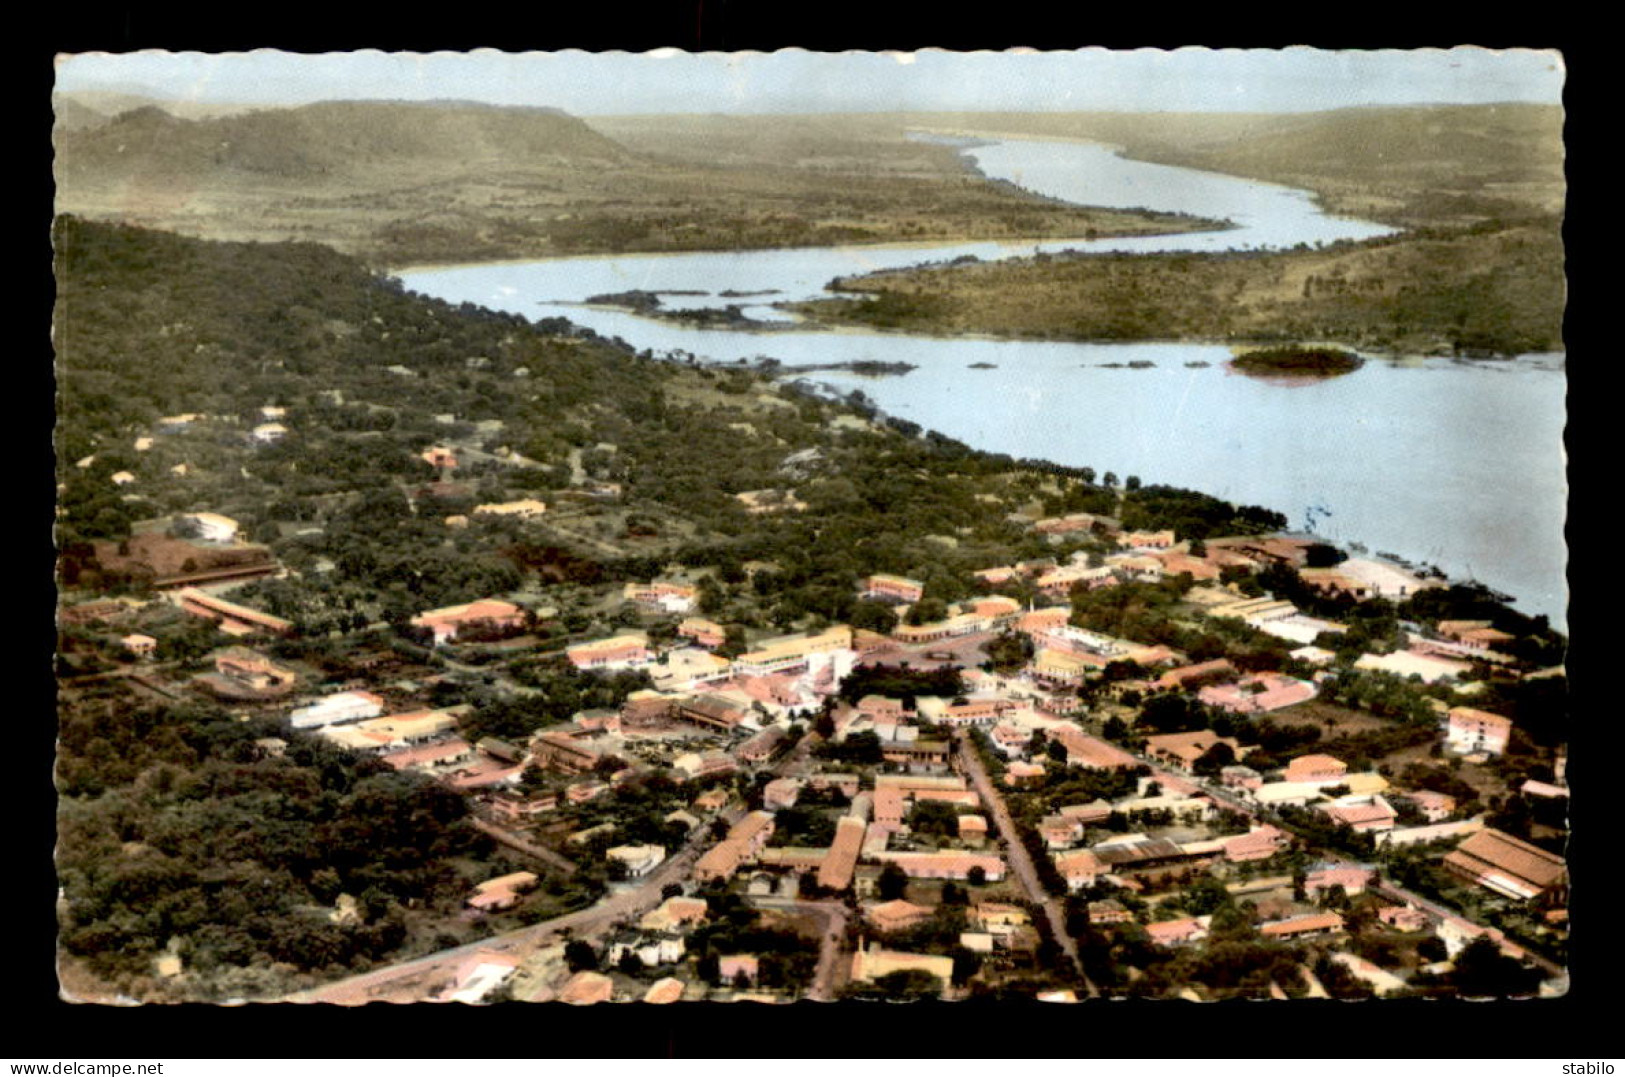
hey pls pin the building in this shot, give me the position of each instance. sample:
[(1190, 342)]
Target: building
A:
[(1475, 635), (1108, 911), (478, 976), (1089, 752), (268, 433), (639, 860), (587, 987), (232, 619), (1435, 807), (663, 595), (761, 747), (1177, 932), (493, 613), (139, 645), (1257, 694), (1260, 843), (703, 633), (1403, 917), (503, 892), (1326, 769), (522, 510), (1406, 664), (651, 948), (1510, 867), (744, 841), (1080, 868), (676, 911), (1470, 731), (617, 652), (1353, 878), (897, 589), (667, 990), (896, 915), (946, 864), (710, 710), (786, 653), (1362, 813), (438, 456), (1182, 750), (732, 968), (339, 707), (210, 526), (1298, 927)]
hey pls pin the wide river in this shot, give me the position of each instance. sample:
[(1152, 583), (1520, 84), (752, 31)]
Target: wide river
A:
[(1455, 463)]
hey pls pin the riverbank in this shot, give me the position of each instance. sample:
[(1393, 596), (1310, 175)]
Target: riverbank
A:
[(1479, 292)]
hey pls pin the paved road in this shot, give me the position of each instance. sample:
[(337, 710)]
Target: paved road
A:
[(415, 980), (1020, 862)]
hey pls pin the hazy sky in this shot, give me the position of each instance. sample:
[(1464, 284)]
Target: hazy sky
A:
[(584, 83)]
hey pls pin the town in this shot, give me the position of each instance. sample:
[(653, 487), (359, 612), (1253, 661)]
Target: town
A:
[(1008, 795)]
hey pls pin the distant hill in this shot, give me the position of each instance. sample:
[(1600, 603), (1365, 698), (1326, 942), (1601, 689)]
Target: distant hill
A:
[(1411, 164), (71, 115), (326, 139)]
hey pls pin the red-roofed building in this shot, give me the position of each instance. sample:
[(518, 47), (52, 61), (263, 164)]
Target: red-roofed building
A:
[(1362, 813), (1257, 694), (1258, 844), (1509, 866), (446, 623), (1316, 768), (1090, 752), (835, 872), (1351, 877), (1297, 927), (1403, 917), (948, 864), (1469, 731), (1080, 868), (1176, 932)]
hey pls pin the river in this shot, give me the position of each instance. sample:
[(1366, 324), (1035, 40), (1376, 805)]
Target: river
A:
[(1459, 464)]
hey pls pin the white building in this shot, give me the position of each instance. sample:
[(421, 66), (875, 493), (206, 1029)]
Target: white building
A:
[(267, 433), (640, 860), (212, 527), (340, 707)]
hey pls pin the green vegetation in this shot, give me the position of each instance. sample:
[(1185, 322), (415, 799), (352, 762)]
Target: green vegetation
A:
[(177, 835), (1493, 288), (1297, 361), (403, 183), (1479, 269)]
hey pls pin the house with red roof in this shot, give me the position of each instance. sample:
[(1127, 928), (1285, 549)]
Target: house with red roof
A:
[(1178, 932), (1298, 927), (1362, 813), (447, 622)]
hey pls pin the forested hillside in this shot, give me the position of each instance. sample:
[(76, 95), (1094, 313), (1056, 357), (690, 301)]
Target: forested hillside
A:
[(182, 833)]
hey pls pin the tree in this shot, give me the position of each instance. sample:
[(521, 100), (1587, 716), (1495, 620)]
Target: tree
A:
[(1483, 970), (579, 955), (976, 876), (892, 883), (873, 616)]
